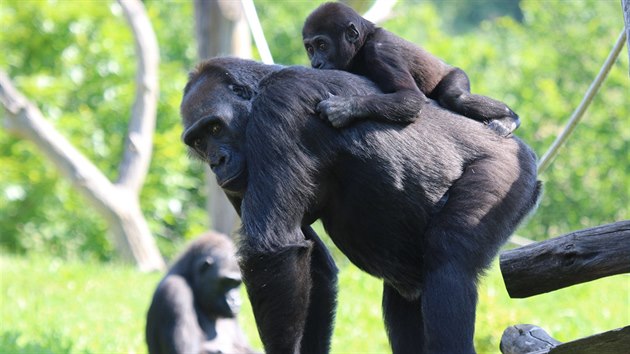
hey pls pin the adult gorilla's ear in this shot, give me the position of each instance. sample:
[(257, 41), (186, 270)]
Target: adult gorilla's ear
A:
[(352, 33)]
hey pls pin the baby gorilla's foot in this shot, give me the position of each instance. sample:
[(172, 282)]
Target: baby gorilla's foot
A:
[(506, 125)]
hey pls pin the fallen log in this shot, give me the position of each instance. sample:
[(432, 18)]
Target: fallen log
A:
[(577, 257)]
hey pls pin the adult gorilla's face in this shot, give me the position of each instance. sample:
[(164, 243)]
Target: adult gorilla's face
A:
[(214, 111)]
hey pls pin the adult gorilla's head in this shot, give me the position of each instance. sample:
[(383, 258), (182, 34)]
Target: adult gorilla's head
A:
[(214, 109)]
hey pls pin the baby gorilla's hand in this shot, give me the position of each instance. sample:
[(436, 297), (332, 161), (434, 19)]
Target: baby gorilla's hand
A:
[(337, 110)]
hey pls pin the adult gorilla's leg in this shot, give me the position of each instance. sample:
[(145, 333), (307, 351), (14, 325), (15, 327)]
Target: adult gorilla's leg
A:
[(279, 284), (403, 321), (483, 208), (321, 310), (448, 305), (449, 293)]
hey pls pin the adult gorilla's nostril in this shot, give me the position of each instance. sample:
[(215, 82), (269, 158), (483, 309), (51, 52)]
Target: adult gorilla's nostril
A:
[(217, 161)]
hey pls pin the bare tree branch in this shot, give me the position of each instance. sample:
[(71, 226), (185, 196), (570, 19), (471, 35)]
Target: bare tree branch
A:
[(139, 142)]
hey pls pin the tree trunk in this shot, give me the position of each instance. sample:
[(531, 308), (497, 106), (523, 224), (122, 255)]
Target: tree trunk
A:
[(221, 30)]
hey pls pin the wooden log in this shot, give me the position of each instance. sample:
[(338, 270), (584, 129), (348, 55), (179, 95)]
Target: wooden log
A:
[(530, 339), (616, 341), (526, 338), (574, 258)]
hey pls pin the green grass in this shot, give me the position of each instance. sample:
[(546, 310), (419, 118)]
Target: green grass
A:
[(49, 306)]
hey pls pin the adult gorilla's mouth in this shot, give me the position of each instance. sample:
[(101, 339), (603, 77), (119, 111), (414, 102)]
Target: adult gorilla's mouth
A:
[(225, 182)]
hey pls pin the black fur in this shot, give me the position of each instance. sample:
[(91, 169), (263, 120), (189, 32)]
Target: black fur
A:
[(194, 305), (336, 37), (427, 223)]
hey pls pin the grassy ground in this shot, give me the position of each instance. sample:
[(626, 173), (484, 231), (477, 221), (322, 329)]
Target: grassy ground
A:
[(48, 306)]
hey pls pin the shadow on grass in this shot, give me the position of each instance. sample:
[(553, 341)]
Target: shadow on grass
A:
[(50, 343)]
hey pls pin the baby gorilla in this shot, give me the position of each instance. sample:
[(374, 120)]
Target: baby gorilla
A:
[(194, 305), (336, 37)]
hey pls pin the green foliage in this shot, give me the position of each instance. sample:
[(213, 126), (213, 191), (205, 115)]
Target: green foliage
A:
[(76, 61), (463, 16), (51, 306)]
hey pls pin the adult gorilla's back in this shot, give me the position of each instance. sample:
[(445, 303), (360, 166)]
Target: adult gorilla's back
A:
[(423, 206), (373, 172)]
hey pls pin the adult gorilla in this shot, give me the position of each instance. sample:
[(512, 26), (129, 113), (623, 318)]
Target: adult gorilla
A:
[(423, 206)]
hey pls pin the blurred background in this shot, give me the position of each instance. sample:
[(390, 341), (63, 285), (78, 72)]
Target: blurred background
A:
[(67, 284)]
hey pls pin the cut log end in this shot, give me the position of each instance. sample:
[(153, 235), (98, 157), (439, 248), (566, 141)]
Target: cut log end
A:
[(526, 338)]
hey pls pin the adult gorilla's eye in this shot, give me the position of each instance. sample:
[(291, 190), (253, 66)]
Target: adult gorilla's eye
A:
[(215, 128), (241, 91)]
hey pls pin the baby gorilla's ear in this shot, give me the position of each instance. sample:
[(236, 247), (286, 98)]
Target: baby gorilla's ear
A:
[(352, 33)]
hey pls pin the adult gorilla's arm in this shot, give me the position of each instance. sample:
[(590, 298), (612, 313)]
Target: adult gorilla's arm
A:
[(321, 310), (318, 326)]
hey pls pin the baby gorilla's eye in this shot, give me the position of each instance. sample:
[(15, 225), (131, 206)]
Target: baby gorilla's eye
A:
[(322, 46), (310, 50)]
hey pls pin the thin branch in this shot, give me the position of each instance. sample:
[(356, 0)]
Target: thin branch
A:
[(139, 142), (577, 115)]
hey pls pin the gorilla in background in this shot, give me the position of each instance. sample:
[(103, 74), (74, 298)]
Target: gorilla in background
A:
[(194, 306), (426, 223)]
